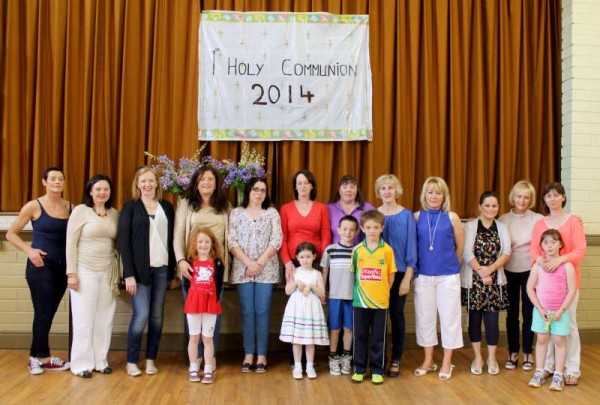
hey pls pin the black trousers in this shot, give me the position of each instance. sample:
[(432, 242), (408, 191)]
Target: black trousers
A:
[(47, 285), (490, 320), (517, 294), (375, 321), (397, 317)]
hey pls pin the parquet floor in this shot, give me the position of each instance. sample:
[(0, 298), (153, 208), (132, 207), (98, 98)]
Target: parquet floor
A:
[(170, 385)]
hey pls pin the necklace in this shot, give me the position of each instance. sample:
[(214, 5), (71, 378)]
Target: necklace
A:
[(432, 235), (100, 215), (150, 205)]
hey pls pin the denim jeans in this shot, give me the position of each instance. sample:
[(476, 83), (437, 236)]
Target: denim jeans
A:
[(47, 285), (185, 287), (255, 305), (148, 308), (397, 317)]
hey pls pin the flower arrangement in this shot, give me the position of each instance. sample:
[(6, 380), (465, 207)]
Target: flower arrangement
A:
[(235, 175)]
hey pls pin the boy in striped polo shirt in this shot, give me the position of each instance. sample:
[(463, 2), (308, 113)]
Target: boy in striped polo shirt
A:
[(374, 267), (336, 263)]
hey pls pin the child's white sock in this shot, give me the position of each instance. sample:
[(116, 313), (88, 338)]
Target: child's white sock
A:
[(194, 366), (310, 366), (298, 365), (208, 368)]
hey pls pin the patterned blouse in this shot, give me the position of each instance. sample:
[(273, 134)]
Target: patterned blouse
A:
[(254, 237)]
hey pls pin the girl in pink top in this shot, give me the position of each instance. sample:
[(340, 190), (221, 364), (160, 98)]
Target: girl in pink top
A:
[(551, 293), (573, 250)]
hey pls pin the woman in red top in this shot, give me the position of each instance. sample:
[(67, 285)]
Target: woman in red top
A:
[(303, 220)]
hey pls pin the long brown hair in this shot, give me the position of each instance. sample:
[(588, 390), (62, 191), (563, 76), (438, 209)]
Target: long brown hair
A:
[(215, 250)]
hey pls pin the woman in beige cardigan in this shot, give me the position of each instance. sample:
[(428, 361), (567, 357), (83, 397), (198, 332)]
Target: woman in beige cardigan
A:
[(204, 205), (92, 276)]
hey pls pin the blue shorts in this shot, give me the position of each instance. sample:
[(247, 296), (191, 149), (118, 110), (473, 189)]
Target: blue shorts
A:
[(562, 327), (340, 313)]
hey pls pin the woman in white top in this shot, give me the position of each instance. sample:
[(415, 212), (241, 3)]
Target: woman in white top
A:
[(520, 221), (146, 247), (92, 276)]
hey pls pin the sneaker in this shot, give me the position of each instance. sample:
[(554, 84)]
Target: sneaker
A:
[(207, 378), (346, 364), (56, 364), (334, 365), (35, 366), (377, 379), (311, 373), (537, 380), (558, 383), (358, 378), (193, 376), (297, 373)]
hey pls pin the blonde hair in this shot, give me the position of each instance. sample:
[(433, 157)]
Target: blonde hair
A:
[(520, 186), (215, 250), (391, 180), (136, 194), (439, 183)]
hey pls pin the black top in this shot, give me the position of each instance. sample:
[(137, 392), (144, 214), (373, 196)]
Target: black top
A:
[(134, 240), (50, 235)]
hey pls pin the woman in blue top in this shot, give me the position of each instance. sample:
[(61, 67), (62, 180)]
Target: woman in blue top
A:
[(440, 242), (400, 233), (46, 264)]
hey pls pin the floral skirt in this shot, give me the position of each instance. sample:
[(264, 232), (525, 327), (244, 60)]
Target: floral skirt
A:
[(480, 297)]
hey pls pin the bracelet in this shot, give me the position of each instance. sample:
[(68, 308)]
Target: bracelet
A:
[(180, 260)]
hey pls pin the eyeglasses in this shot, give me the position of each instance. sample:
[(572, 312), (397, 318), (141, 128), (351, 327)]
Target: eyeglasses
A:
[(259, 190)]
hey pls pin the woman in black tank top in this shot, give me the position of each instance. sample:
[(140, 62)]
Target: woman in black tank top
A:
[(46, 264)]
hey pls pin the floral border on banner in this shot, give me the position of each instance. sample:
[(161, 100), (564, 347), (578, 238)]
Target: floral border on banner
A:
[(260, 17), (284, 134)]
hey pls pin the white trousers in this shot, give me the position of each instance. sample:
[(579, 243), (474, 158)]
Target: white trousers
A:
[(93, 308), (438, 295), (573, 363)]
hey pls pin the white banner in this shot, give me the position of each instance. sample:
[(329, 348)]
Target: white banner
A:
[(284, 76)]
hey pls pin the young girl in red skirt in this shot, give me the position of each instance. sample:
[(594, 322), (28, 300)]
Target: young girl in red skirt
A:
[(203, 302)]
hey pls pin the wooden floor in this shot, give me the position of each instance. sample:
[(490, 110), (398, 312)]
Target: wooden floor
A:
[(170, 385)]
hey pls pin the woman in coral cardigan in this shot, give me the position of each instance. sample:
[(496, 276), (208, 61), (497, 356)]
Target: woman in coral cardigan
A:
[(573, 235)]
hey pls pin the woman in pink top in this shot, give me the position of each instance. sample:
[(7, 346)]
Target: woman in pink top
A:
[(573, 235), (303, 220)]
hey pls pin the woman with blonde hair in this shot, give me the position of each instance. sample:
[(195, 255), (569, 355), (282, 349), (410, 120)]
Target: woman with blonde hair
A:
[(401, 234), (440, 242), (520, 221), (146, 245)]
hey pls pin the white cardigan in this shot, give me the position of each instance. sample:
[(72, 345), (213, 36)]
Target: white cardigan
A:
[(466, 272)]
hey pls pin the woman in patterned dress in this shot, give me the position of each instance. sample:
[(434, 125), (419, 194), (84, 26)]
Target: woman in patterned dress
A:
[(254, 239), (487, 249)]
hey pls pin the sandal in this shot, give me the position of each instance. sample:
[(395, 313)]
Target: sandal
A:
[(511, 364), (475, 370), (394, 370), (446, 376), (246, 367), (420, 372), (261, 368), (493, 369), (527, 363), (207, 379), (193, 376), (571, 379)]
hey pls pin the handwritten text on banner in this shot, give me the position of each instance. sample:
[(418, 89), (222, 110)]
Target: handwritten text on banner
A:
[(284, 76)]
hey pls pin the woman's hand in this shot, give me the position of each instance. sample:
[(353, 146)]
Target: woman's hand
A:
[(487, 280), (549, 265), (73, 281), (253, 269), (185, 269), (131, 286), (289, 270), (404, 286), (36, 256), (174, 284), (485, 271)]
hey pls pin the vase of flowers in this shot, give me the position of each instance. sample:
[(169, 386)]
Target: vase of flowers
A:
[(176, 179), (237, 175)]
